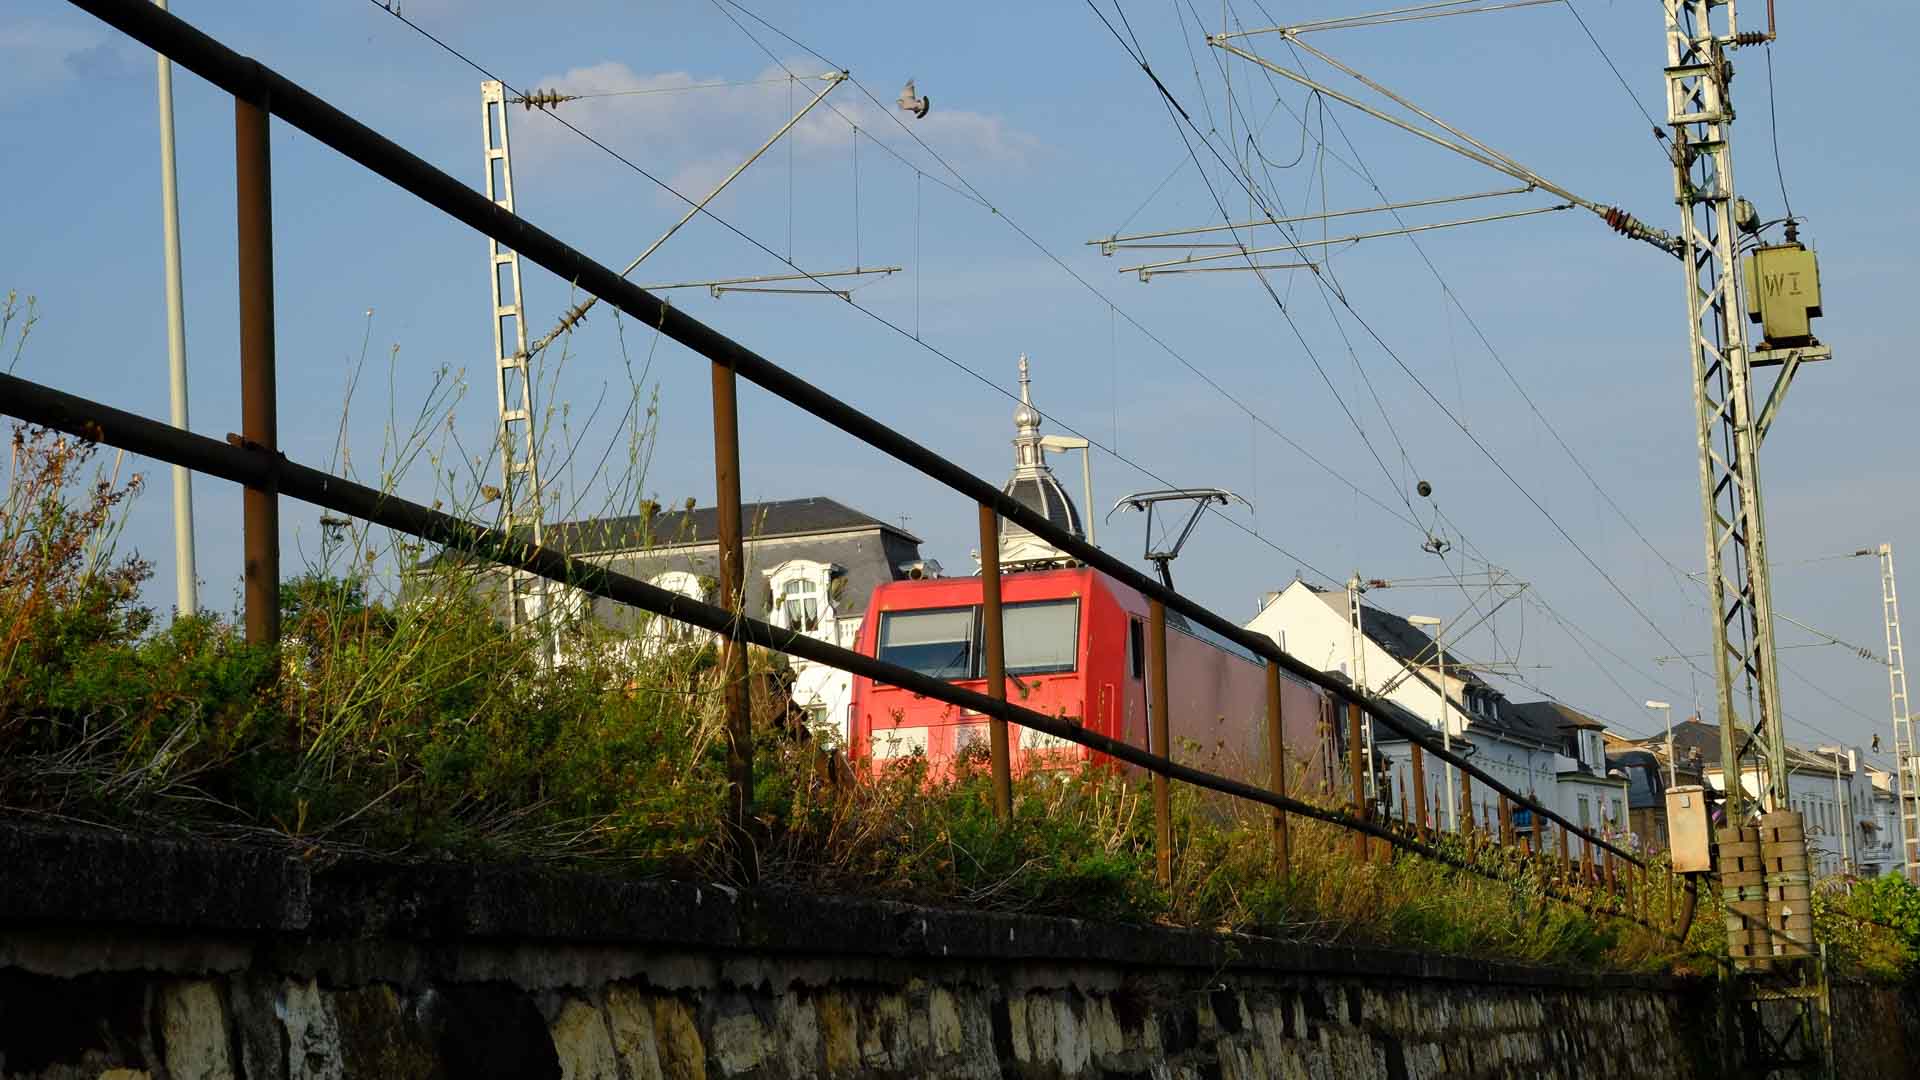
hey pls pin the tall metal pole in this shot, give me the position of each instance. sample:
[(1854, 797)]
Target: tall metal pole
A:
[(1446, 729), (999, 749), (1158, 736), (1701, 114), (1906, 767), (259, 422), (186, 581), (733, 652), (1357, 643), (1277, 768), (1840, 800)]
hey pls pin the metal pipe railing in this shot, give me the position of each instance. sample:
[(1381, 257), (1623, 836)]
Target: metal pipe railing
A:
[(254, 81), (253, 466), (249, 79)]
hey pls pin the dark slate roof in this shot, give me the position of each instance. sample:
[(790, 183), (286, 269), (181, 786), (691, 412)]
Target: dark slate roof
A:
[(1547, 721), (1401, 639), (1695, 734), (1044, 495), (700, 525), (1555, 717)]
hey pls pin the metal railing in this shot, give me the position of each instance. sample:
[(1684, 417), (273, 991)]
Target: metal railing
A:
[(253, 460)]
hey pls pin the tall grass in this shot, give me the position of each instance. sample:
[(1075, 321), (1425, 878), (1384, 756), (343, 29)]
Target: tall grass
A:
[(400, 718)]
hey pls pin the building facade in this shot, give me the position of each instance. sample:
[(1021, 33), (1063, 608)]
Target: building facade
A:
[(812, 564), (1521, 746), (1828, 785)]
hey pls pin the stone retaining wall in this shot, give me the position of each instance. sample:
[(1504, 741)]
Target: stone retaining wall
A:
[(134, 959)]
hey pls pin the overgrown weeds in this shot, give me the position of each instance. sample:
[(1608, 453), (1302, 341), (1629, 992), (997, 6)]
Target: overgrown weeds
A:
[(414, 725), (400, 718)]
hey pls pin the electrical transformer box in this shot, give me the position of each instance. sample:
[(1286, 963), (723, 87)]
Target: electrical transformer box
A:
[(1783, 294), (1687, 829)]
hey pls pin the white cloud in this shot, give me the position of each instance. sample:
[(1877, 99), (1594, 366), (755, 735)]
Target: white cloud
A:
[(693, 137), (37, 55)]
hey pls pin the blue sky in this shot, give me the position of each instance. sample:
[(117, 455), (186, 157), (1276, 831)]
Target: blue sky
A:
[(1039, 109)]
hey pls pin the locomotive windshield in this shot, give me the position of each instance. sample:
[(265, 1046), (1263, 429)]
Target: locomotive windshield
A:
[(1042, 638), (937, 643)]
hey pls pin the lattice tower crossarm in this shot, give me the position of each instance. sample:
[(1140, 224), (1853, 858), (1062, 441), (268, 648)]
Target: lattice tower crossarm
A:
[(519, 441), (1701, 114), (1906, 762)]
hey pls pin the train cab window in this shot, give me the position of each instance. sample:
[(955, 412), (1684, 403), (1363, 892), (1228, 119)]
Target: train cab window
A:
[(1042, 637), (937, 643), (1136, 649)]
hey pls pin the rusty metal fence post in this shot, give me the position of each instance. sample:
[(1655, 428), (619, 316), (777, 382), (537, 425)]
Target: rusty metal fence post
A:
[(733, 653), (1158, 736), (1420, 793), (1356, 767), (259, 423), (1277, 764), (1466, 802), (998, 748)]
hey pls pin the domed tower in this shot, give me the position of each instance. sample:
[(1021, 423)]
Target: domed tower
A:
[(1034, 486)]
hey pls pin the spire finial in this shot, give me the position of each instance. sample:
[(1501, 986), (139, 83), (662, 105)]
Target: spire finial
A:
[(1026, 418)]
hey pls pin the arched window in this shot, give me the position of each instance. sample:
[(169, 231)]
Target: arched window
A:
[(800, 604), (801, 595)]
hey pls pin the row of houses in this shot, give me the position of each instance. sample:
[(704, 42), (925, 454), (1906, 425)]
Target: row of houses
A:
[(813, 564), (1847, 803)]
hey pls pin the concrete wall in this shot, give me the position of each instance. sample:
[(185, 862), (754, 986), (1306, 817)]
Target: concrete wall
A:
[(127, 959)]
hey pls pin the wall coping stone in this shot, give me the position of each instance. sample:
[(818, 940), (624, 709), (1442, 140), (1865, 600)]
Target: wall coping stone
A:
[(62, 876)]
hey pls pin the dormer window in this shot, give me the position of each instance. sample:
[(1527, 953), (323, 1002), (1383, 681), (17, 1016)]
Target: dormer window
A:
[(800, 604), (801, 595)]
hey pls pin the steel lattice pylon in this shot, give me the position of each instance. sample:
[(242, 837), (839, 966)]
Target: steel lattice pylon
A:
[(1746, 680), (1906, 763), (520, 500)]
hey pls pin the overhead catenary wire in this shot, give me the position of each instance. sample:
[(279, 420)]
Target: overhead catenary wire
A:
[(1641, 613), (1026, 235), (1472, 437), (1173, 106), (1414, 13), (1574, 10), (889, 324)]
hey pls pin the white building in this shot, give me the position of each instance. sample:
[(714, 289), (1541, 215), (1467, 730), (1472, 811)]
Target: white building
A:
[(1834, 795), (1521, 746), (1585, 792), (812, 564), (1880, 850)]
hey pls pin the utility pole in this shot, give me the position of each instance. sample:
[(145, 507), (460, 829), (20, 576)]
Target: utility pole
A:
[(1762, 858), (1779, 289), (186, 581), (520, 497), (1906, 764)]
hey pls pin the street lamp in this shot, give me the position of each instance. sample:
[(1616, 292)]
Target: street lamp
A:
[(1446, 715), (1059, 443), (1673, 774)]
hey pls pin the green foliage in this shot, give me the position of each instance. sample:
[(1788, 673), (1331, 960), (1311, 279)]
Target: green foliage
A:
[(1873, 927), (415, 725)]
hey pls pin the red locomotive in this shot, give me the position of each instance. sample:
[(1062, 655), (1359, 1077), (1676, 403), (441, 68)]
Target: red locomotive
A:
[(1076, 647)]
